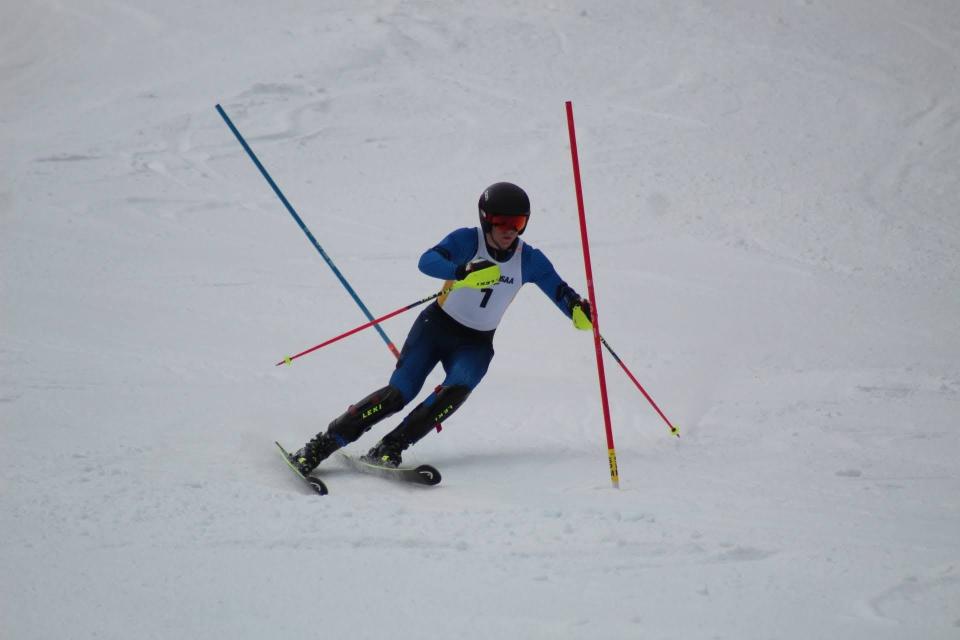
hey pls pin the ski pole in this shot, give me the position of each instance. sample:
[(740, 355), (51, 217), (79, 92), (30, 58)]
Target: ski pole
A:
[(611, 451), (373, 322), (303, 227), (674, 430)]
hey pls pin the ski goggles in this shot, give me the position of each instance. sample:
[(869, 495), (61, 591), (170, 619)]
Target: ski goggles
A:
[(517, 223)]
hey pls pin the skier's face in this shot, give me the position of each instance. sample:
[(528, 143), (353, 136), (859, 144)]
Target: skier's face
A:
[(502, 236)]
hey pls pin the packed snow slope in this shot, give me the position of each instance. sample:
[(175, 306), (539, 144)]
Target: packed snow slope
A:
[(771, 192)]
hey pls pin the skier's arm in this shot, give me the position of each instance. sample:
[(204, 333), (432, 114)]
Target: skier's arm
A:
[(453, 252), (538, 269)]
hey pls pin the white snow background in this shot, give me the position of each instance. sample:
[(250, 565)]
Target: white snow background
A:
[(771, 190)]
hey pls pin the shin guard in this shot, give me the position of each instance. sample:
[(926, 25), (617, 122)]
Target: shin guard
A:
[(361, 416), (424, 418)]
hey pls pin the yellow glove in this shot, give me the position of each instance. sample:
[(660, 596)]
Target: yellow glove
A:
[(581, 316), (477, 275)]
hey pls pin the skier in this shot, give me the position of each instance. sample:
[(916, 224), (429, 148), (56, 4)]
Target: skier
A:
[(484, 268)]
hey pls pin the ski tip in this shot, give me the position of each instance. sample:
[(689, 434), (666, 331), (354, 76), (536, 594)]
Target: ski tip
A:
[(317, 485), (428, 475)]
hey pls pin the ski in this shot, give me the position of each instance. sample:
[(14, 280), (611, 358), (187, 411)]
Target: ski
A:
[(422, 474), (315, 483)]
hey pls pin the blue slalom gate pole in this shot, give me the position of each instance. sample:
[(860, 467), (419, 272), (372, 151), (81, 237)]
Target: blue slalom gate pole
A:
[(306, 231)]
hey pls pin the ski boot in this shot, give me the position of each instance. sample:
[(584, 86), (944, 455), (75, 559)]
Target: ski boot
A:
[(421, 421), (386, 453), (353, 423), (313, 453)]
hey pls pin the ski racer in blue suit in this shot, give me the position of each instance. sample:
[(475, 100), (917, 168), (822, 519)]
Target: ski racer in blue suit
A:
[(484, 268)]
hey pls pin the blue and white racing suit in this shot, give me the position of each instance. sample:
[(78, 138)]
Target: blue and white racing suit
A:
[(457, 330)]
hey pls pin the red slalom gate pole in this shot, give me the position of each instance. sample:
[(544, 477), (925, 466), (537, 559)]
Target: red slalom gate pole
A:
[(611, 450)]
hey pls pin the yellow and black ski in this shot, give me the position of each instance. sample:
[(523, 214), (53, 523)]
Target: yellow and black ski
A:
[(422, 474)]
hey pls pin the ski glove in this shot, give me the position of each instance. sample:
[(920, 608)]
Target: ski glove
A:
[(477, 275), (581, 316)]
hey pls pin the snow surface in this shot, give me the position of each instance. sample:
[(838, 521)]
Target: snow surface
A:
[(771, 191)]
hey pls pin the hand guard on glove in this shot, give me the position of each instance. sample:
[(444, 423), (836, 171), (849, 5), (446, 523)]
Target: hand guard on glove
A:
[(477, 275), (580, 313)]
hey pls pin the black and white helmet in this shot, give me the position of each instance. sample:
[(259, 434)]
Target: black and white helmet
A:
[(504, 203)]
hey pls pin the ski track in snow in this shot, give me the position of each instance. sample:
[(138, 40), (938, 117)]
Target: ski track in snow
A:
[(771, 198)]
